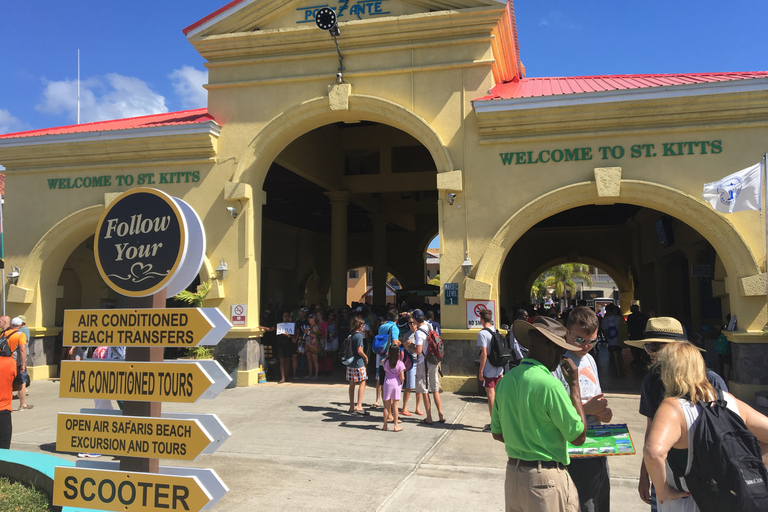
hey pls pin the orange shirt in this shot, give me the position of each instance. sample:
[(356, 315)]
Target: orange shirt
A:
[(16, 338), (7, 374)]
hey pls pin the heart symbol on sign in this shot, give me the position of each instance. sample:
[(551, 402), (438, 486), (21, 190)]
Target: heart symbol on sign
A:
[(140, 270)]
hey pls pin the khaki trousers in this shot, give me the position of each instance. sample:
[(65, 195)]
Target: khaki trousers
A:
[(531, 489)]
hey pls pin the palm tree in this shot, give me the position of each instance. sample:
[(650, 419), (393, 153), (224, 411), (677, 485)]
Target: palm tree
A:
[(538, 290), (561, 278)]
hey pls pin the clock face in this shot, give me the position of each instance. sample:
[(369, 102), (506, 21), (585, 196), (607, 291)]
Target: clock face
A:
[(325, 18)]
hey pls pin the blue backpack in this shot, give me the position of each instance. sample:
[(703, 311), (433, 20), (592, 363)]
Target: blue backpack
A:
[(382, 342)]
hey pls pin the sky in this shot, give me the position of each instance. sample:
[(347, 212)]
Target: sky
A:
[(135, 60)]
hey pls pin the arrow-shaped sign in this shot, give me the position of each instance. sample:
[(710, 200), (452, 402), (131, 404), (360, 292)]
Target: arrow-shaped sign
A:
[(167, 327), (214, 370), (207, 477), (210, 422), (133, 436), (184, 382), (123, 491)]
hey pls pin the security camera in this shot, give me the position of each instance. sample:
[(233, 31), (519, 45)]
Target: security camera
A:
[(339, 78), (451, 197), (232, 211)]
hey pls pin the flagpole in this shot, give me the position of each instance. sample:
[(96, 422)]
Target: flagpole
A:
[(764, 212)]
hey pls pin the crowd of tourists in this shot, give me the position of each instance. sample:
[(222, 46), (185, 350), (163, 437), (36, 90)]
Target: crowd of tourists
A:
[(554, 395)]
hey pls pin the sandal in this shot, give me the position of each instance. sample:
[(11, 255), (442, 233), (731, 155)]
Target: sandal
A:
[(425, 422), (362, 413), (406, 413)]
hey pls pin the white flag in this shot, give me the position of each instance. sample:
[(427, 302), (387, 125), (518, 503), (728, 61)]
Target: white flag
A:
[(740, 191)]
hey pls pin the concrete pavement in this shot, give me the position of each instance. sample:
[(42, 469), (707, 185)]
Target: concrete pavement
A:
[(293, 447)]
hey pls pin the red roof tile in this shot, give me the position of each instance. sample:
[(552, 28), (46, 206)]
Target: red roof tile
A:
[(170, 118), (552, 86)]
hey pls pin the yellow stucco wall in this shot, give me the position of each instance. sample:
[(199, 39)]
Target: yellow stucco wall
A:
[(417, 73)]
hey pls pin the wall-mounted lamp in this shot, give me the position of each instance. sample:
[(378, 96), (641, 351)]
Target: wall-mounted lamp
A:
[(13, 275), (451, 197), (233, 209), (466, 267), (221, 271), (325, 19)]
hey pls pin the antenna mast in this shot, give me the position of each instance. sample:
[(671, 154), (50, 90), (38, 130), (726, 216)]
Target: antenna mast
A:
[(78, 86)]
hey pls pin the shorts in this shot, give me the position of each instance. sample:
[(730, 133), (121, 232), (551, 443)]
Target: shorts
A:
[(490, 382), (421, 378), (433, 377), (357, 374), (21, 377), (382, 375), (410, 378)]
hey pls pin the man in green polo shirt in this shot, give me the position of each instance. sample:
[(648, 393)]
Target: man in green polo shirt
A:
[(534, 417)]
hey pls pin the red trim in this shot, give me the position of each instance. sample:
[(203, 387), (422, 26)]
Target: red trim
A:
[(167, 119), (530, 87), (211, 16)]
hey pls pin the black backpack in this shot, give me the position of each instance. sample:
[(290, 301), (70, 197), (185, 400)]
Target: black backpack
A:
[(347, 352), (5, 349), (498, 352), (727, 472)]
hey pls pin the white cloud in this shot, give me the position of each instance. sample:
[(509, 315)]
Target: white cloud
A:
[(558, 20), (101, 98), (9, 123), (188, 84)]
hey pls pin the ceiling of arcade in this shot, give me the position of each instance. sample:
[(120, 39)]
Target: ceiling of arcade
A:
[(386, 172)]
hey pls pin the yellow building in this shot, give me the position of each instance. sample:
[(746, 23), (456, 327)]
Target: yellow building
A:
[(431, 128)]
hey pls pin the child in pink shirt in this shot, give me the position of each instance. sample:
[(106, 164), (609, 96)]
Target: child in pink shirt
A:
[(394, 375)]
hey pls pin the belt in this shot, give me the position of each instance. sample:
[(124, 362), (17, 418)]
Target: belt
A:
[(545, 464)]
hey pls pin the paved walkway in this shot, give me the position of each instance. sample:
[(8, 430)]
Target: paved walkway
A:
[(293, 447)]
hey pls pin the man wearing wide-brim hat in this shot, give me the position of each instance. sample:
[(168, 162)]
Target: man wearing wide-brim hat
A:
[(535, 418), (659, 332)]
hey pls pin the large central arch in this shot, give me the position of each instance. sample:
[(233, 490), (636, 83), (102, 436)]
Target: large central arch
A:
[(284, 128), (733, 250)]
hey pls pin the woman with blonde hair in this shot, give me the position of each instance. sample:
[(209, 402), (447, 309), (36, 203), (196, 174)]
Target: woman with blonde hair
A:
[(669, 441)]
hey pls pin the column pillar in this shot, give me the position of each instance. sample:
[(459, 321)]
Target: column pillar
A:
[(379, 259), (339, 201)]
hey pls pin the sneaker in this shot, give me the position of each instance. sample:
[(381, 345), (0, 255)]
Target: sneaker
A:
[(487, 428), (25, 407)]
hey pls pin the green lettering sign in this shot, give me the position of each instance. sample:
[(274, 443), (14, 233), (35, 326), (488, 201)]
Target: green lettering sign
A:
[(688, 148)]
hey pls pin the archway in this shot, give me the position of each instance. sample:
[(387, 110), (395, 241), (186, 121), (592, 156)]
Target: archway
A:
[(345, 181)]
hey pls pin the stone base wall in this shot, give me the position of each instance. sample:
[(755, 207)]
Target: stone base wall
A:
[(461, 358), (249, 351), (41, 351), (750, 363)]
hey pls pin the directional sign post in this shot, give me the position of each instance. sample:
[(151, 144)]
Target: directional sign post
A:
[(147, 245), (167, 327), (132, 436), (122, 491), (182, 382)]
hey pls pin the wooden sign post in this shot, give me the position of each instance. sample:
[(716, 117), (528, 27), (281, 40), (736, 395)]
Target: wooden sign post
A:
[(149, 246)]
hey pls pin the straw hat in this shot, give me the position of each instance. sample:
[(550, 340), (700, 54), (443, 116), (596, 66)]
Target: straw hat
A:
[(549, 327), (662, 329)]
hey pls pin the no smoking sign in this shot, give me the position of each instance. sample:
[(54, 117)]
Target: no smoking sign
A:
[(474, 308), (239, 314)]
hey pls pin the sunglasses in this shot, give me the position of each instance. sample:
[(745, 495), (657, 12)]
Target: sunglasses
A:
[(652, 347), (582, 341)]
